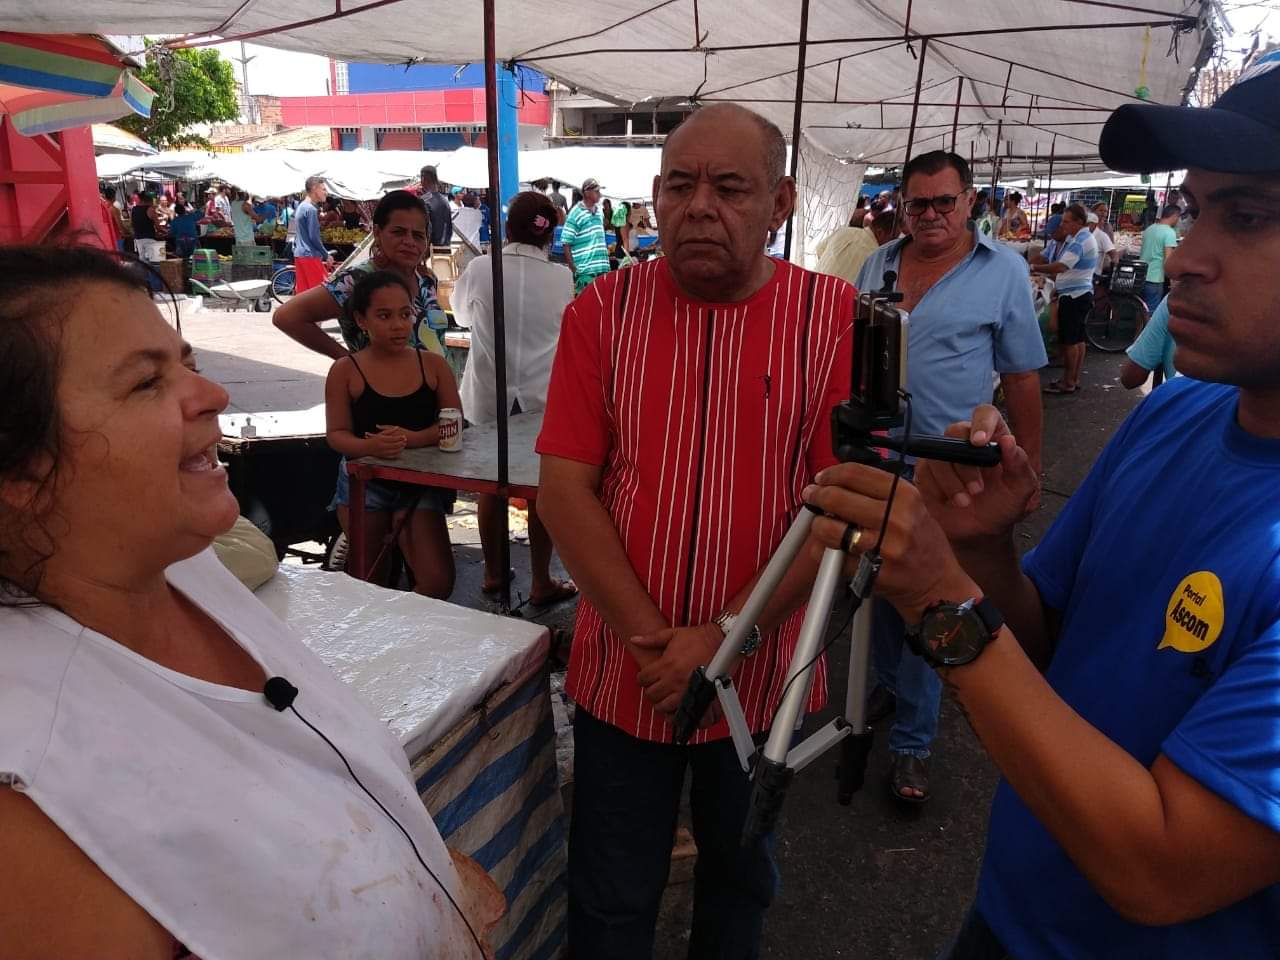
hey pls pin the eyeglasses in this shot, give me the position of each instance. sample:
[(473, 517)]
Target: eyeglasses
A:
[(943, 203)]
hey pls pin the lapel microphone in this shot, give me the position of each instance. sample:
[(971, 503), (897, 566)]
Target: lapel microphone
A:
[(280, 693)]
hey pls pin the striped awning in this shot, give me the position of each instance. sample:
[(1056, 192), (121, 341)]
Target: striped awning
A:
[(50, 83)]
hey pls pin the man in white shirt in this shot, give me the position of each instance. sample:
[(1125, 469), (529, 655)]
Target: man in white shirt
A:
[(1107, 253), (466, 225)]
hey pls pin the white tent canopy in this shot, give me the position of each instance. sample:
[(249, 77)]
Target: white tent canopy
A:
[(1107, 181), (1034, 75), (355, 174), (626, 173)]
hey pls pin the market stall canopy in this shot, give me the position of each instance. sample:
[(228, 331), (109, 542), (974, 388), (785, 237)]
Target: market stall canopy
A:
[(52, 83), (354, 174), (1029, 76), (625, 173), (1105, 181), (110, 139)]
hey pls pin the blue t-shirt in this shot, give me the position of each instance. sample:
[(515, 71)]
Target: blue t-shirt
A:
[(307, 242), (1166, 568), (267, 210), (977, 319)]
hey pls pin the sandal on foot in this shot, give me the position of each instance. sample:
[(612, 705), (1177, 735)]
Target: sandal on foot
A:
[(560, 590), (1057, 386), (908, 772), (493, 589)]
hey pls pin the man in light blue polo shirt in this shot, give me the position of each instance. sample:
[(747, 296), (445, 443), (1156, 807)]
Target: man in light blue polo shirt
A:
[(971, 315)]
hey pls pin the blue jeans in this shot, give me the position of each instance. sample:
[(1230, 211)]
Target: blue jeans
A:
[(974, 941), (915, 683), (626, 798), (1152, 294)]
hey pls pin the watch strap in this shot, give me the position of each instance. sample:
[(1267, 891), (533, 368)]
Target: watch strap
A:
[(990, 616)]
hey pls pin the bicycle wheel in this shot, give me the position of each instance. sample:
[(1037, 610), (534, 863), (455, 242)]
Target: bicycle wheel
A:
[(1113, 325), (284, 282)]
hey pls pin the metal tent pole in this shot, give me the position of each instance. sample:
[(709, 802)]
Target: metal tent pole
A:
[(915, 101), (911, 131), (499, 307), (795, 122), (955, 118), (1048, 189), (995, 160)]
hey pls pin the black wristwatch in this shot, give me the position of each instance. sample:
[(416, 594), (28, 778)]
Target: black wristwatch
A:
[(953, 634)]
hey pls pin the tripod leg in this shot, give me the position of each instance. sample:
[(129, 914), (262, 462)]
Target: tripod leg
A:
[(854, 751), (701, 689), (830, 573), (772, 775), (726, 657), (855, 700)]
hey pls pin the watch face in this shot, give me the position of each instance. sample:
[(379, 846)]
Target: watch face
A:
[(953, 637)]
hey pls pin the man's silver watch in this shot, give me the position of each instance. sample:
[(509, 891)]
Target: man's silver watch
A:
[(750, 645)]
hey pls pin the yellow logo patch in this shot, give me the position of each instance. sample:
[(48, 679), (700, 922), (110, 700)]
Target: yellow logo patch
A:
[(1193, 620)]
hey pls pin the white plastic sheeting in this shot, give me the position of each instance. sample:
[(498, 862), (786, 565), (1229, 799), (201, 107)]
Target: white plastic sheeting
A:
[(356, 174), (1051, 88), (422, 663)]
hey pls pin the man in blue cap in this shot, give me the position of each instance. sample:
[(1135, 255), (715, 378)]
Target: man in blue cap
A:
[(1125, 676)]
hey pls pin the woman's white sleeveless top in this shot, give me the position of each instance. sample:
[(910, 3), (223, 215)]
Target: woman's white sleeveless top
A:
[(232, 824)]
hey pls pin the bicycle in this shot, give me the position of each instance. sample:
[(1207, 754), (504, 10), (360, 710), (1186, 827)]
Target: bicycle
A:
[(1118, 313), (284, 282)]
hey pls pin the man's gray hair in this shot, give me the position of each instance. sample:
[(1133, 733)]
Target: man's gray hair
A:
[(313, 181), (775, 144)]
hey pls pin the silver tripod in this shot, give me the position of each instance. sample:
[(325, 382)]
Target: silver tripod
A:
[(773, 767), (876, 405)]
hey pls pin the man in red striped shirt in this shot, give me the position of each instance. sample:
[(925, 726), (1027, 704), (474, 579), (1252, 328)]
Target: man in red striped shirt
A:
[(689, 406)]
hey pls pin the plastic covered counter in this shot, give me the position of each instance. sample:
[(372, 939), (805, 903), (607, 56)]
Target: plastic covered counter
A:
[(467, 694)]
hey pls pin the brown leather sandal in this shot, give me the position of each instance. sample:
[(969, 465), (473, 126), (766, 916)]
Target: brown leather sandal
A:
[(908, 772)]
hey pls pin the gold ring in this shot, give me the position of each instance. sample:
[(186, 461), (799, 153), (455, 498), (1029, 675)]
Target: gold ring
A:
[(849, 540)]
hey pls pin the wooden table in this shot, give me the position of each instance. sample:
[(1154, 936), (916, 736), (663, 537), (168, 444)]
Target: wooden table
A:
[(473, 468)]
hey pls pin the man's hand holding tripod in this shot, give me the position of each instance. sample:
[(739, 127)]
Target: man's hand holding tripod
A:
[(951, 515)]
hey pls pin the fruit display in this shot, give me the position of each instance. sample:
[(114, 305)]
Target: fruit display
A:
[(342, 235), (330, 235)]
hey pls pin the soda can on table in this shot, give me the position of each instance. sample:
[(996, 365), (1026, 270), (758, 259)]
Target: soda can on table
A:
[(450, 430)]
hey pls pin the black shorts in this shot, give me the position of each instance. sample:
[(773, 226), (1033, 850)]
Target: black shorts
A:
[(1072, 312)]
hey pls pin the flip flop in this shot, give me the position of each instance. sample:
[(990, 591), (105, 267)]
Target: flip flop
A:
[(563, 590), (908, 771), (1057, 386), (493, 589)]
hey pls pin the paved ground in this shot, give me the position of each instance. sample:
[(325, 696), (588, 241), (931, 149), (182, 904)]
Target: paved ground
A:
[(866, 881)]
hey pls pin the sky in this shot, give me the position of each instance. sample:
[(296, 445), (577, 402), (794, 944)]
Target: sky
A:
[(280, 73)]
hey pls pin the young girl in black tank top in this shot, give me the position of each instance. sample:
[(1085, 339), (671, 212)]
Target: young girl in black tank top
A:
[(378, 402)]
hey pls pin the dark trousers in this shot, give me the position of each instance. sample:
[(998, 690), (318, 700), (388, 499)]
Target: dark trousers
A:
[(626, 798)]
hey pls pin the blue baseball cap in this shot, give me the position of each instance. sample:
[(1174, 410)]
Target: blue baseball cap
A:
[(1238, 134)]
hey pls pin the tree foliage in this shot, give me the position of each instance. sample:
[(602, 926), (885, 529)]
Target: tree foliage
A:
[(192, 86)]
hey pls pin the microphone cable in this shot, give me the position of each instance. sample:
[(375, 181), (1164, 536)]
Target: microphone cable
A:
[(280, 694), (900, 462)]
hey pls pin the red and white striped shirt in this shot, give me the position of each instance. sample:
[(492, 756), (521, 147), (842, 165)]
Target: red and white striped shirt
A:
[(709, 420)]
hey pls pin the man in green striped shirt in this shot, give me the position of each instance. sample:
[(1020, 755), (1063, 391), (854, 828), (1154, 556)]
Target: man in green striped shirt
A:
[(583, 238)]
